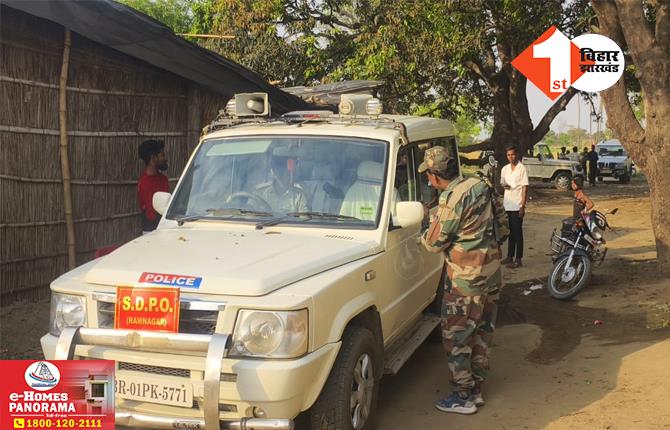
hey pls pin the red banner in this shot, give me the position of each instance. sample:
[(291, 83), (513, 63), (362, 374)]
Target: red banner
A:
[(74, 395), (155, 309)]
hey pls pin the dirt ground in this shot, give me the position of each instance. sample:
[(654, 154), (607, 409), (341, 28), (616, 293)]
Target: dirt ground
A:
[(553, 367)]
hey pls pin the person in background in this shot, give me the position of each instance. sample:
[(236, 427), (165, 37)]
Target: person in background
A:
[(514, 179), (574, 155), (583, 160), (462, 228), (564, 153), (582, 203), (593, 165), (152, 152)]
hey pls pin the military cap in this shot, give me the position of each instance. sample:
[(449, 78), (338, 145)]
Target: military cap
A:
[(436, 159)]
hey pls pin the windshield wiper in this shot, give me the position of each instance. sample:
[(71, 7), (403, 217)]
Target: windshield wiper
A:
[(307, 214), (322, 215), (221, 213)]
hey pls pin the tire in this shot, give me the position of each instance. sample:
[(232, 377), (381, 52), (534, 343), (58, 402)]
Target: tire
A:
[(600, 179), (624, 179), (358, 356), (581, 264), (435, 308), (562, 181)]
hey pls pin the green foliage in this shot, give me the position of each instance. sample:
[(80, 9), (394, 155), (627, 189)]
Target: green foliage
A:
[(179, 15), (453, 56)]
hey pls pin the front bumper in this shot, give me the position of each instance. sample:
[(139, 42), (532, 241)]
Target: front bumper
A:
[(226, 390)]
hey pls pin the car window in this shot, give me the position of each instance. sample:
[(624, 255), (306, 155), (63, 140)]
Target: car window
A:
[(280, 175), (612, 151), (429, 195), (405, 176)]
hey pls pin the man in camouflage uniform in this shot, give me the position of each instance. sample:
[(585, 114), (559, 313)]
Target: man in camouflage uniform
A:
[(463, 228), (281, 193)]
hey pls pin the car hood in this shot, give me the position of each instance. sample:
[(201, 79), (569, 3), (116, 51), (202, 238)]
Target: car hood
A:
[(249, 263)]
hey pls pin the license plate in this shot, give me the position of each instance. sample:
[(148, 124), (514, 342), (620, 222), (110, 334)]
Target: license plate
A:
[(154, 309), (153, 390)]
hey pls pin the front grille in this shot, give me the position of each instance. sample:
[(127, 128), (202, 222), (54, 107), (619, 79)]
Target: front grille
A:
[(190, 321), (169, 371)]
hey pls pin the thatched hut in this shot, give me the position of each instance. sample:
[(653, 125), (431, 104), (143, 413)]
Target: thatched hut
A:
[(71, 120)]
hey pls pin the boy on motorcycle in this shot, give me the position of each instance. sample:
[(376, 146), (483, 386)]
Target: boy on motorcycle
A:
[(581, 203)]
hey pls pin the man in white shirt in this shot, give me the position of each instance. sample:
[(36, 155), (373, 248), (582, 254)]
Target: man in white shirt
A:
[(574, 155), (514, 178)]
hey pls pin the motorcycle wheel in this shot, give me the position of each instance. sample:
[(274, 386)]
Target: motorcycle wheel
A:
[(566, 282)]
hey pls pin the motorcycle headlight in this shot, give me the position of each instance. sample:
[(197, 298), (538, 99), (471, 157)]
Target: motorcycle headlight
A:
[(66, 311), (270, 334)]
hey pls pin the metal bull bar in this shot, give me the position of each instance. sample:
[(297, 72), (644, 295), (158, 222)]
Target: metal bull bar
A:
[(216, 347)]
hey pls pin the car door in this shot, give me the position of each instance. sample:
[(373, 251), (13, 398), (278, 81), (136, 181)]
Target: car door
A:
[(404, 260)]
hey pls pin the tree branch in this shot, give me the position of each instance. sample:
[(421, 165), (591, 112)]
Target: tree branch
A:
[(663, 25), (479, 146), (620, 116), (635, 27), (472, 161), (560, 105)]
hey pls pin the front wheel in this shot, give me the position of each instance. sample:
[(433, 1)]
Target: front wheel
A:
[(566, 281), (562, 181), (624, 179), (349, 398)]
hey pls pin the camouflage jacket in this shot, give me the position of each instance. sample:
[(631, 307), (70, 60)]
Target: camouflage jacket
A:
[(462, 227)]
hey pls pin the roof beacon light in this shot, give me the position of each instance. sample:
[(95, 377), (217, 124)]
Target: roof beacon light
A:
[(373, 107), (353, 104), (252, 104)]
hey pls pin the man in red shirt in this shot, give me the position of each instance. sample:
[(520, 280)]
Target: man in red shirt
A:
[(152, 152)]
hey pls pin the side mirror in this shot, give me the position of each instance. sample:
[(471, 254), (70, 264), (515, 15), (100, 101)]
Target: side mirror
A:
[(408, 214), (160, 201)]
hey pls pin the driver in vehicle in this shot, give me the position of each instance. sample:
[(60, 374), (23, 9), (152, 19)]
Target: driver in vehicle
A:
[(281, 193)]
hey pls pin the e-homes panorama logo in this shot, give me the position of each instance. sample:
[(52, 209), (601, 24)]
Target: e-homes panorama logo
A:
[(554, 63), (42, 376)]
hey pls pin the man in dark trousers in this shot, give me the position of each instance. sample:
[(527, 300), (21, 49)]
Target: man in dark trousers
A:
[(593, 165), (152, 152), (514, 178)]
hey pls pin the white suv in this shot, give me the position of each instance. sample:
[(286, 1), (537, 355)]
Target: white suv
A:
[(294, 243)]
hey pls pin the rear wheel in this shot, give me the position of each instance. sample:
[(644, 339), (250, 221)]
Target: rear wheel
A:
[(349, 399), (566, 281), (562, 181)]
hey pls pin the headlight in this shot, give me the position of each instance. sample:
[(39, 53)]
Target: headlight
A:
[(66, 310), (271, 334)]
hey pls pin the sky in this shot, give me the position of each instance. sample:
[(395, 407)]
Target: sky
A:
[(538, 104)]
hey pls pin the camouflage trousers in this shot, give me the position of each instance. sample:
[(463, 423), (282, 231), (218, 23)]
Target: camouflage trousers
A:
[(468, 323)]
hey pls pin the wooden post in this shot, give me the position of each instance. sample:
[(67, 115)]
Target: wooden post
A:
[(64, 160), (193, 117)]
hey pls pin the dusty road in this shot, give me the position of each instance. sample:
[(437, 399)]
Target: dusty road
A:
[(552, 368)]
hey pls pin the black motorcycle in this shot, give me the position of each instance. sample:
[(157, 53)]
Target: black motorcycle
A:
[(576, 249)]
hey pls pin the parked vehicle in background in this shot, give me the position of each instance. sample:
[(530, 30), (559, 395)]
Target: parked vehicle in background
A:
[(543, 166), (613, 161)]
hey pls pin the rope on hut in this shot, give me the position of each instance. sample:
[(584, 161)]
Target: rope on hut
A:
[(57, 222), (64, 160), (30, 130), (88, 90), (73, 181)]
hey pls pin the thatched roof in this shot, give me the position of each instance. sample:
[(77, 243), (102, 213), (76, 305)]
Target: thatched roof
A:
[(126, 30)]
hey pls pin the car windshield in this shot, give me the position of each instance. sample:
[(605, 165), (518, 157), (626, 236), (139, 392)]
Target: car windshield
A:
[(612, 151), (311, 180)]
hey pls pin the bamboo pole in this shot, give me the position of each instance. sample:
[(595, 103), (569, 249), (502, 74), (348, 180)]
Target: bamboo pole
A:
[(64, 160)]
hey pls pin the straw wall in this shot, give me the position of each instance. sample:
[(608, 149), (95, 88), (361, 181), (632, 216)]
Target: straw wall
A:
[(114, 102)]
